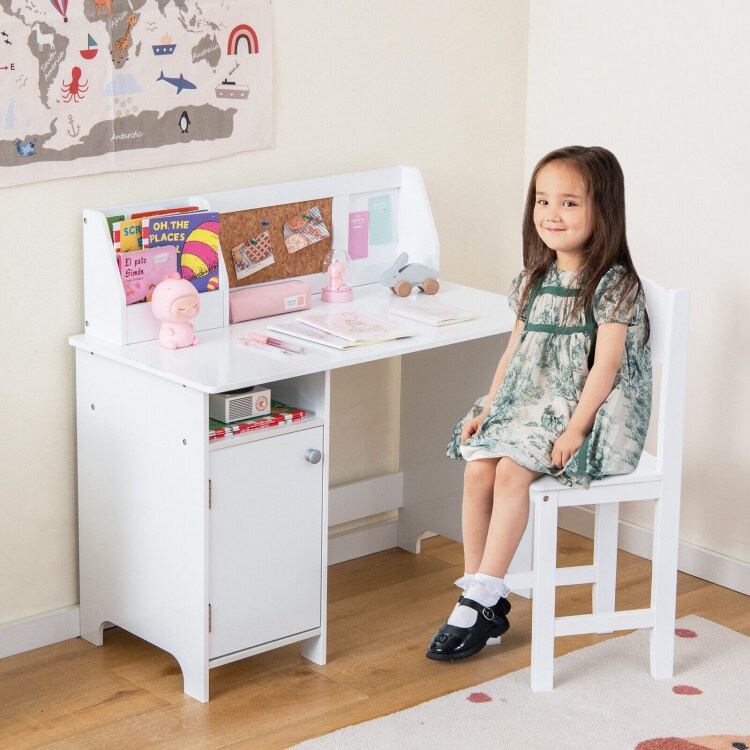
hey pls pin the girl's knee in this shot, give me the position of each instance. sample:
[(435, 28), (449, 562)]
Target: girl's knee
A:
[(510, 474), (479, 474)]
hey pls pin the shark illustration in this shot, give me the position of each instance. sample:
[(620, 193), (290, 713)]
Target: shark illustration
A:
[(180, 83)]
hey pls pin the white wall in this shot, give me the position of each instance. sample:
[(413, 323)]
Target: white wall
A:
[(357, 86), (665, 87)]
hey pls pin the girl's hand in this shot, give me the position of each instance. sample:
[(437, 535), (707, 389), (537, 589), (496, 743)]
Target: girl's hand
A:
[(471, 427), (565, 446)]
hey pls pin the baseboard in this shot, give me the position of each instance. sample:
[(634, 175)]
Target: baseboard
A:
[(696, 561), (40, 630), (365, 540)]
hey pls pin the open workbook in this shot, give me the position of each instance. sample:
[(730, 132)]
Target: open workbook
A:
[(356, 327), (342, 330)]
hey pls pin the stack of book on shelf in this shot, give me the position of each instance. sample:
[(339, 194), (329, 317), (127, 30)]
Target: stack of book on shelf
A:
[(342, 330), (153, 244), (281, 414)]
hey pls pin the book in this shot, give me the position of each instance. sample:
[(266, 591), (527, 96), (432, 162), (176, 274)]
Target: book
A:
[(281, 414), (164, 212), (111, 221), (196, 236), (127, 235), (142, 270), (308, 333), (428, 311), (357, 327)]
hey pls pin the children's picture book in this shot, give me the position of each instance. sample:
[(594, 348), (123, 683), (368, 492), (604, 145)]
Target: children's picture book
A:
[(428, 311), (142, 270), (196, 236), (127, 235), (281, 414), (251, 256), (305, 229), (308, 333), (358, 327), (111, 221), (165, 212)]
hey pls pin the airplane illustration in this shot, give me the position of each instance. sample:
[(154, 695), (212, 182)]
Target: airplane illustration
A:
[(180, 83)]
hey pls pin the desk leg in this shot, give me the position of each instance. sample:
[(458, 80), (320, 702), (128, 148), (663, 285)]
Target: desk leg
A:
[(438, 387)]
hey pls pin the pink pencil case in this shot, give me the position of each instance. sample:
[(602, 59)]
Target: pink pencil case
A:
[(271, 299)]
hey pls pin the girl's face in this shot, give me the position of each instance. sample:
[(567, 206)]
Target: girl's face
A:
[(562, 212)]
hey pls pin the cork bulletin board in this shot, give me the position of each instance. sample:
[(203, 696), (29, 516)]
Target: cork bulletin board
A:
[(255, 249)]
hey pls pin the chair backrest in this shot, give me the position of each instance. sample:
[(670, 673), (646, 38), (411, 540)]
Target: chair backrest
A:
[(669, 312)]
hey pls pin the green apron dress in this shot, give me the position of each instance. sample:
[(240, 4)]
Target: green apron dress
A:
[(545, 377)]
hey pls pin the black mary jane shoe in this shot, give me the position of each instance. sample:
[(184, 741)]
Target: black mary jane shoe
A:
[(452, 643)]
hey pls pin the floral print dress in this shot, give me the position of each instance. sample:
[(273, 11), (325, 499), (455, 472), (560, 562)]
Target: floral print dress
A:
[(545, 377)]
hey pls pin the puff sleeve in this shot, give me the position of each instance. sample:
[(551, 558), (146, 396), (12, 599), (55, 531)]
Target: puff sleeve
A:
[(611, 306), (514, 294)]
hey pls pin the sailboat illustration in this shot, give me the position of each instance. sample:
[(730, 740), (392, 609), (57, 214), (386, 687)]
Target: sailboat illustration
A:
[(90, 52)]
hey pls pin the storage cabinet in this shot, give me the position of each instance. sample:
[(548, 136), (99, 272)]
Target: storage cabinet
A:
[(265, 520)]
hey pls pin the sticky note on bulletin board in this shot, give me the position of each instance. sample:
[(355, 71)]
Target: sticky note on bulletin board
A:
[(238, 229)]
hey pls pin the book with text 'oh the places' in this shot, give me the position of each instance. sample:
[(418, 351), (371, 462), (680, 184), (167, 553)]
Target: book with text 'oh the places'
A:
[(196, 236)]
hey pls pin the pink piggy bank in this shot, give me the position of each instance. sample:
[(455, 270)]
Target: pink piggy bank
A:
[(174, 302)]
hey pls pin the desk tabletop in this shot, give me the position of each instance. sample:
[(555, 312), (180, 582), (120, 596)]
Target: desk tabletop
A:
[(220, 363)]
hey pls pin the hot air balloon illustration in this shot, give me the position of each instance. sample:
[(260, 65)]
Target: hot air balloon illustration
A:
[(61, 6)]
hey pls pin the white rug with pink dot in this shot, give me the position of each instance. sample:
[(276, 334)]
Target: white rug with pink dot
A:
[(604, 697)]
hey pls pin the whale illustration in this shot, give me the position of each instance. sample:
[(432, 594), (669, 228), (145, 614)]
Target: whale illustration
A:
[(179, 83)]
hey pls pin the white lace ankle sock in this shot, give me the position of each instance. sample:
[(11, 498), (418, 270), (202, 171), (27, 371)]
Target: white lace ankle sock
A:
[(464, 582), (486, 590)]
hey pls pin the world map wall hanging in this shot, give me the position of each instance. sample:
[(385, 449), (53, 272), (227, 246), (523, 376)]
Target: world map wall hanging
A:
[(92, 86)]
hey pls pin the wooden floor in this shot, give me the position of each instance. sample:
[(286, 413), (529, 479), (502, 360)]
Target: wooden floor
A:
[(383, 610)]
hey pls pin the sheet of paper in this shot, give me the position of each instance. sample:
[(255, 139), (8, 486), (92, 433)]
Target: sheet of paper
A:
[(358, 234), (380, 230), (253, 255), (305, 229)]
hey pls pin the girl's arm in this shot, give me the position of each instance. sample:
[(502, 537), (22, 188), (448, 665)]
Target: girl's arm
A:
[(610, 345), (503, 365)]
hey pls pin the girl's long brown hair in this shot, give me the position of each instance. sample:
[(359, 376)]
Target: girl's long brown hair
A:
[(607, 246)]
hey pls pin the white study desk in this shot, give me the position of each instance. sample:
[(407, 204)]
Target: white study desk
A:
[(177, 536)]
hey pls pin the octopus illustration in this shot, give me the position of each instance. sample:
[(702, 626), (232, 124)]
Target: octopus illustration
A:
[(76, 89)]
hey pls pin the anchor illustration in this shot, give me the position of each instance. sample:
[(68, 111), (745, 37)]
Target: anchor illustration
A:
[(74, 129)]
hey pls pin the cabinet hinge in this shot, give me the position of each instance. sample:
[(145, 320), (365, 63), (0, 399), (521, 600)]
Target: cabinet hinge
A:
[(209, 495), (209, 618)]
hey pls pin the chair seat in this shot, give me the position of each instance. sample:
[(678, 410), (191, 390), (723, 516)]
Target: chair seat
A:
[(646, 471)]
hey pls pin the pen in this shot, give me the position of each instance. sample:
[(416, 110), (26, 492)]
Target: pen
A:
[(261, 338), (274, 351)]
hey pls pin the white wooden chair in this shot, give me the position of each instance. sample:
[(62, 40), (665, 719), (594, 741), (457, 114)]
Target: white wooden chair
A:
[(657, 477)]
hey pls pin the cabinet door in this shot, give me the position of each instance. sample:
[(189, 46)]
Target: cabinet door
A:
[(265, 541)]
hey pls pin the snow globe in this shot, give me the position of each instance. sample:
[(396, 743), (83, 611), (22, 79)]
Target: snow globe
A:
[(337, 286)]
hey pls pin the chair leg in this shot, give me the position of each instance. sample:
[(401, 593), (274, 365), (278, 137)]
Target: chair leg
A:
[(543, 608), (605, 559), (664, 585)]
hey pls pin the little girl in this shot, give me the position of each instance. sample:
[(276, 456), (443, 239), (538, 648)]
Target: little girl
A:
[(571, 396)]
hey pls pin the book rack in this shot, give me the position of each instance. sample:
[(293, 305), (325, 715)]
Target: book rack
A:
[(108, 317)]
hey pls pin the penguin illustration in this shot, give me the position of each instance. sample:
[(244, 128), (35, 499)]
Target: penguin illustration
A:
[(25, 149), (184, 122)]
